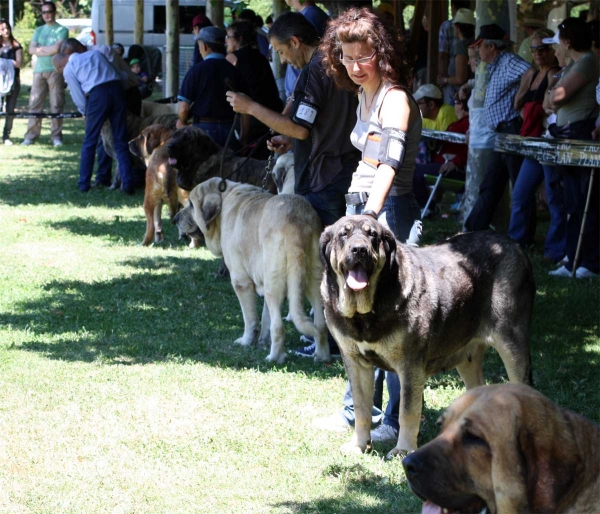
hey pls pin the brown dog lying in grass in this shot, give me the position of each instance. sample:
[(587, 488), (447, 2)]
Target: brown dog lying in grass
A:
[(161, 179)]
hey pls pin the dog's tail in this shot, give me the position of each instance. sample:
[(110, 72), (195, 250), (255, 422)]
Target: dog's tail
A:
[(303, 280)]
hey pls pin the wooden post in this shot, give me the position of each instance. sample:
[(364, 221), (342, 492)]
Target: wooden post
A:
[(172, 67), (108, 29), (138, 28), (215, 12), (279, 7)]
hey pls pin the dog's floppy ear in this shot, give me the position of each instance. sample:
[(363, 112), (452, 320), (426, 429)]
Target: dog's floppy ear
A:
[(389, 244), (211, 207), (325, 242)]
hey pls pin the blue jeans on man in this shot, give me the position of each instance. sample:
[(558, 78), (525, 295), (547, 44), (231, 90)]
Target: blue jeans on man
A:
[(105, 102)]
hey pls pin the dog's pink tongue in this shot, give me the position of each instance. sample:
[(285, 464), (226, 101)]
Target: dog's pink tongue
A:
[(172, 161), (431, 508), (357, 278)]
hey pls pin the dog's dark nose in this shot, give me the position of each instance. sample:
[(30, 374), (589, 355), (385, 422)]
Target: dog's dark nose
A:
[(359, 251), (412, 465)]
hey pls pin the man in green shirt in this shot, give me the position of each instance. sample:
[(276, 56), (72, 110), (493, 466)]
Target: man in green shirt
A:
[(46, 42)]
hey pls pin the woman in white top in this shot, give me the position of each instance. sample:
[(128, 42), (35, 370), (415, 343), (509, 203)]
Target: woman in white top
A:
[(365, 55)]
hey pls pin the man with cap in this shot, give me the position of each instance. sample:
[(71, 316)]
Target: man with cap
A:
[(198, 23), (530, 25), (505, 69), (436, 114), (202, 93)]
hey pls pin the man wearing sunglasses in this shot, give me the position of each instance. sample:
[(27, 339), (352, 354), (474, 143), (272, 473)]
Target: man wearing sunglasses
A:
[(45, 43)]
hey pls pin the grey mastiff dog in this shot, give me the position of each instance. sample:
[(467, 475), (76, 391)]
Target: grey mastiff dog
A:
[(421, 311)]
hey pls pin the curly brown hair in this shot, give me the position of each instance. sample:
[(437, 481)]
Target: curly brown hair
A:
[(361, 24)]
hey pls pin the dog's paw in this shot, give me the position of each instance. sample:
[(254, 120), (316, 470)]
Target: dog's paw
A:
[(278, 359), (322, 357), (351, 448), (244, 341), (397, 453), (288, 318)]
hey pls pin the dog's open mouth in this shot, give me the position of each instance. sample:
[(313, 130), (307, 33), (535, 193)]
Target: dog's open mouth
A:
[(357, 278), (172, 161), (431, 508)]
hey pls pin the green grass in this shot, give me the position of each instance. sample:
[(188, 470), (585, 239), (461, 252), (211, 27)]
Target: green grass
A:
[(121, 389)]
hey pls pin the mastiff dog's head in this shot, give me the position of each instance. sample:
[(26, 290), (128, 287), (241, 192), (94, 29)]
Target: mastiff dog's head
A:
[(506, 448), (149, 139), (355, 251), (187, 226), (189, 149)]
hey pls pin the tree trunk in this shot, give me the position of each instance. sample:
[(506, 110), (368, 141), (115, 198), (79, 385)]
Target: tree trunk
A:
[(110, 35), (215, 12), (138, 30), (172, 81)]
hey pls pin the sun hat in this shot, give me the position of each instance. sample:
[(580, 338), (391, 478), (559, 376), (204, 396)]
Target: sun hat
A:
[(465, 16), (428, 91), (211, 35)]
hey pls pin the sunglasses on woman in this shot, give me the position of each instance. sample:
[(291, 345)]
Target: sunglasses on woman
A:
[(539, 48)]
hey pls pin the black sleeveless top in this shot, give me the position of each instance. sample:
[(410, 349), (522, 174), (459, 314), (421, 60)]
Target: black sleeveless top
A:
[(536, 95), (10, 52)]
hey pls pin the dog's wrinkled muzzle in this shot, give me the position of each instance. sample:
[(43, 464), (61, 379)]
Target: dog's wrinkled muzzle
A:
[(358, 265)]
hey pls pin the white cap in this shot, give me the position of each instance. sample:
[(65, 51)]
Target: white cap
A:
[(428, 91), (551, 40)]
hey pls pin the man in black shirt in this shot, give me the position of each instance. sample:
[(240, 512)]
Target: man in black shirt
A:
[(322, 118), (202, 93)]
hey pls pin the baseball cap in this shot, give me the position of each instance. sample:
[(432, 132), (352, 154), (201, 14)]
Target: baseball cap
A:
[(200, 20), (211, 35), (551, 40), (492, 31), (465, 16), (134, 61), (428, 91)]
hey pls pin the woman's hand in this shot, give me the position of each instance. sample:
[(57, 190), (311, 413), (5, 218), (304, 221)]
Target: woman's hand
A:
[(279, 144)]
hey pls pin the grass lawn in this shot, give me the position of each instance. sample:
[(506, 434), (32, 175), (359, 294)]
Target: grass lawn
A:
[(121, 389)]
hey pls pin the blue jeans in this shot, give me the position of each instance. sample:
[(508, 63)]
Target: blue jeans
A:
[(106, 101), (522, 216), (399, 214), (218, 131)]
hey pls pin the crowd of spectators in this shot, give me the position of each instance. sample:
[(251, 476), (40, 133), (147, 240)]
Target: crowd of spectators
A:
[(547, 86)]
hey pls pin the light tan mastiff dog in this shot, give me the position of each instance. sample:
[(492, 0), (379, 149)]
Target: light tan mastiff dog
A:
[(271, 246)]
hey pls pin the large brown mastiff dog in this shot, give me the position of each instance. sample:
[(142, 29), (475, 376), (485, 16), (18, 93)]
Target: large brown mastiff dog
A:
[(511, 450), (197, 158), (161, 179), (421, 311)]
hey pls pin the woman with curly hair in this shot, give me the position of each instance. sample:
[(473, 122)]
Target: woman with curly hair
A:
[(365, 55)]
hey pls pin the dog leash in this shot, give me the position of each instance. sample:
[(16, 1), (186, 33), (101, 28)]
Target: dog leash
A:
[(223, 183)]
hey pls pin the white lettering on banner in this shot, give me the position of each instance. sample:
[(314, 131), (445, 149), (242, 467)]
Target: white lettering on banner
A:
[(306, 112)]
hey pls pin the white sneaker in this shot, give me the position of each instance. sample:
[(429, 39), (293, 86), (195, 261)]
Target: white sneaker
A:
[(57, 142), (8, 142), (585, 273), (27, 142), (560, 272), (384, 434)]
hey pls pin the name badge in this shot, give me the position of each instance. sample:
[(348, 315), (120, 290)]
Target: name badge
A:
[(306, 112)]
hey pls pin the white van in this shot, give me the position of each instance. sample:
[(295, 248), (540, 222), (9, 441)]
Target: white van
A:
[(155, 24)]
